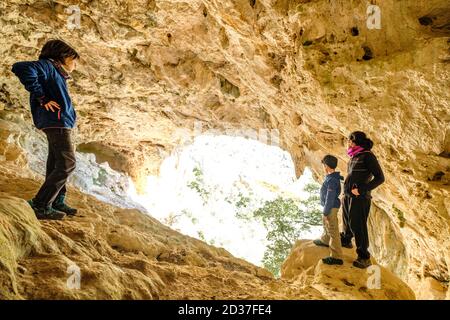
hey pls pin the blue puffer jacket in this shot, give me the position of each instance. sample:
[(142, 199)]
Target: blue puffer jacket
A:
[(330, 191), (45, 82)]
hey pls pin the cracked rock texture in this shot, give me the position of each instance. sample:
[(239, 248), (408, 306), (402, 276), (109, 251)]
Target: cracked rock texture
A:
[(303, 267), (126, 254), (118, 253), (154, 72)]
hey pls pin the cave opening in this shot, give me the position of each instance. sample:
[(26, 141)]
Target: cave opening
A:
[(237, 193)]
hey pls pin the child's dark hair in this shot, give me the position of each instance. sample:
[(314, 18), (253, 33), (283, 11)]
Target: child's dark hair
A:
[(360, 139), (58, 50), (330, 161)]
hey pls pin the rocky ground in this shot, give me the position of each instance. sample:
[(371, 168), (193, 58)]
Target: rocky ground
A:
[(303, 266), (126, 254)]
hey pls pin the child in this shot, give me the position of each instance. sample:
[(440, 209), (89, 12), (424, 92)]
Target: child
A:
[(329, 198), (52, 112)]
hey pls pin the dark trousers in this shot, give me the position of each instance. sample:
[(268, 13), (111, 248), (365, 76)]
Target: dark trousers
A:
[(355, 212), (60, 164)]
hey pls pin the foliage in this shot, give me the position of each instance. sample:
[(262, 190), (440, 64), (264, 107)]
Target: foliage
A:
[(198, 185), (285, 221), (284, 218)]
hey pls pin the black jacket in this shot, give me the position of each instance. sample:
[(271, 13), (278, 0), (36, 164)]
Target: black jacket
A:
[(363, 172)]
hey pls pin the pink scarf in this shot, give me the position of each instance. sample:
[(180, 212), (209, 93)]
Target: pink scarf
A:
[(353, 151)]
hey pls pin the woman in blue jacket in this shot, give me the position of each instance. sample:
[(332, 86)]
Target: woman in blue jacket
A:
[(53, 113)]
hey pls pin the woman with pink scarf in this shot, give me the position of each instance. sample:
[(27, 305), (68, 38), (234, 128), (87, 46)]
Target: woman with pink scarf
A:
[(363, 175)]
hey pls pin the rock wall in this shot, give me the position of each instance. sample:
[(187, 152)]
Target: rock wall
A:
[(303, 266), (106, 252), (152, 71)]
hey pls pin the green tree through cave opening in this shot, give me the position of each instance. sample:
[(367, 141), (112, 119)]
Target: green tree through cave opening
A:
[(286, 220), (198, 184)]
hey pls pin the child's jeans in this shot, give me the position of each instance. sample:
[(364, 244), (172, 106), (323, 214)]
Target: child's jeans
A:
[(331, 235), (60, 164)]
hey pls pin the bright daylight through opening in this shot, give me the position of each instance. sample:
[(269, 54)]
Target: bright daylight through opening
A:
[(227, 191)]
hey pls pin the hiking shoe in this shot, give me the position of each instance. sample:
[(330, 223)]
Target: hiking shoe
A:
[(362, 263), (345, 243), (332, 261), (319, 243), (46, 213), (60, 205)]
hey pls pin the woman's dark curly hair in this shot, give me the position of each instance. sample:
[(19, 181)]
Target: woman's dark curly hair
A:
[(360, 139), (58, 50)]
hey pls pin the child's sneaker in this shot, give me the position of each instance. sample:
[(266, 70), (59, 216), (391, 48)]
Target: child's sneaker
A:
[(60, 205), (319, 243), (332, 261), (46, 213)]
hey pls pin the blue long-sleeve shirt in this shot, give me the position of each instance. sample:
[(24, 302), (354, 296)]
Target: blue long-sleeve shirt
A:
[(44, 82), (330, 191)]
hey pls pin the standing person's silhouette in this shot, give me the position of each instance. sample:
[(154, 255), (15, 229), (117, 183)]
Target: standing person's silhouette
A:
[(53, 113), (364, 175)]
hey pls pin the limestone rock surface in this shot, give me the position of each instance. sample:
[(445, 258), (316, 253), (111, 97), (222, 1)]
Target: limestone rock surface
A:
[(155, 73)]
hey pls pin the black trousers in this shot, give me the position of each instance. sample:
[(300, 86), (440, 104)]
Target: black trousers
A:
[(355, 212), (60, 164)]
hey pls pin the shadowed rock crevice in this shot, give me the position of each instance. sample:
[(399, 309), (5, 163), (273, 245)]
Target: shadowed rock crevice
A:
[(104, 153)]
